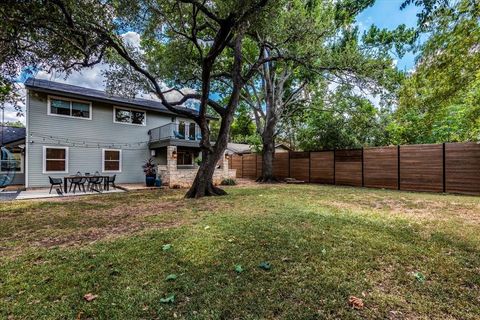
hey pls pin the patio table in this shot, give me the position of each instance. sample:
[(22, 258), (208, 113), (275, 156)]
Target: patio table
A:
[(66, 178)]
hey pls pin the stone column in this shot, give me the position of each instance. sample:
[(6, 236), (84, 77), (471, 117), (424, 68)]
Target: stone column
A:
[(171, 164), (224, 165)]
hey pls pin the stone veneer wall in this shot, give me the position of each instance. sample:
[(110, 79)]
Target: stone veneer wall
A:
[(172, 176)]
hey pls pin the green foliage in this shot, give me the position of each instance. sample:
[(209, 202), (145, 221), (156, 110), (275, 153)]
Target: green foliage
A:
[(255, 142), (343, 120), (16, 124), (440, 101), (242, 126)]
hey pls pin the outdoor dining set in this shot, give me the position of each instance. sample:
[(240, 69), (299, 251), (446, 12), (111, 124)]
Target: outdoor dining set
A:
[(84, 182)]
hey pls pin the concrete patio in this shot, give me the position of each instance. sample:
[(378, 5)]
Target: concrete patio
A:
[(44, 193)]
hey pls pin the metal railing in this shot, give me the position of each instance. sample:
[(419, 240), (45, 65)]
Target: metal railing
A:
[(175, 131)]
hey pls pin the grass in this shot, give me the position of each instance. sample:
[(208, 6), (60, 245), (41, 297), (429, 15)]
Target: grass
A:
[(324, 244)]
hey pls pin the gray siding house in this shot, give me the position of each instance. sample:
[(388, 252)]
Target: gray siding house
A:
[(72, 129)]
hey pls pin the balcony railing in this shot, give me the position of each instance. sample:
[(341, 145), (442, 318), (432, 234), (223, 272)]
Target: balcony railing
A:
[(188, 132)]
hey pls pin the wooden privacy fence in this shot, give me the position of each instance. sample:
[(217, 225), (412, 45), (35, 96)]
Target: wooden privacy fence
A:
[(448, 167)]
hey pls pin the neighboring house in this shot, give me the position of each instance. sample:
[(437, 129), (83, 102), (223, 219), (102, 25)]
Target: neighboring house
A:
[(13, 139), (242, 148), (71, 129)]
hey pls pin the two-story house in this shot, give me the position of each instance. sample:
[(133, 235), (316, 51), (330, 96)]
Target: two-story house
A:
[(73, 129)]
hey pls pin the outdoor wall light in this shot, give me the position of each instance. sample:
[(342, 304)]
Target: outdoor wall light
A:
[(174, 155)]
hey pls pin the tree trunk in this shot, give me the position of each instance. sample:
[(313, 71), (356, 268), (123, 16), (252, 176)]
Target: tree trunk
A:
[(268, 151), (203, 184)]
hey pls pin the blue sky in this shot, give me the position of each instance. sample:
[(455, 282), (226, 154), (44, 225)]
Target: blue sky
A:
[(387, 14)]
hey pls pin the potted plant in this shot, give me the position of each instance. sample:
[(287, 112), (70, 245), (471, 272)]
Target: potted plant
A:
[(150, 172)]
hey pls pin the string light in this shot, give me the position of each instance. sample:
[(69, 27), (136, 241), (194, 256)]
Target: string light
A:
[(97, 144)]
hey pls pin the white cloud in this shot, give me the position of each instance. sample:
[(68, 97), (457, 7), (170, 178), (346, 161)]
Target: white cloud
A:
[(87, 77), (132, 38)]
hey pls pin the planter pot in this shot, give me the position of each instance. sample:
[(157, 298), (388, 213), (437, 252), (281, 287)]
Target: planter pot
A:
[(150, 181), (158, 182)]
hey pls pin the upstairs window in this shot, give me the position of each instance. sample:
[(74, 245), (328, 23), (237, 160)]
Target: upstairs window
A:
[(69, 108), (129, 116)]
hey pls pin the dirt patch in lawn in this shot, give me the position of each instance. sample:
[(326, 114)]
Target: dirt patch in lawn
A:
[(415, 210), (86, 221)]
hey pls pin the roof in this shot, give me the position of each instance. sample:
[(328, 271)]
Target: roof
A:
[(72, 91), (12, 134), (239, 147)]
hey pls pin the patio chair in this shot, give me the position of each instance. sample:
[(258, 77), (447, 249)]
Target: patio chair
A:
[(95, 182), (78, 182), (55, 182), (178, 135), (111, 181)]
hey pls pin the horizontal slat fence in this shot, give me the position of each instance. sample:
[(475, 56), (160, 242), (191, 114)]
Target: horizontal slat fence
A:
[(380, 167), (348, 167), (448, 167)]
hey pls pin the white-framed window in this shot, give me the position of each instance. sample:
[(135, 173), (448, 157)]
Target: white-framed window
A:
[(55, 159), (111, 160), (70, 108), (129, 116), (14, 164)]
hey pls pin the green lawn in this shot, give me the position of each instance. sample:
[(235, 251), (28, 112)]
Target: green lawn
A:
[(407, 255)]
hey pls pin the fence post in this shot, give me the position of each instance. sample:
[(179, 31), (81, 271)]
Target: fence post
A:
[(334, 179), (363, 178), (309, 165), (289, 163), (256, 166), (398, 167), (243, 167), (444, 170)]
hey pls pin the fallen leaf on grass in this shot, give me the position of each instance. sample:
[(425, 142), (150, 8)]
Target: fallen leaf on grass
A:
[(171, 277), (355, 302), (265, 266), (169, 299), (90, 297), (238, 268), (166, 247), (419, 276)]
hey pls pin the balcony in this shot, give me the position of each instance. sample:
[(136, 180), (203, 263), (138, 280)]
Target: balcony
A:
[(175, 134)]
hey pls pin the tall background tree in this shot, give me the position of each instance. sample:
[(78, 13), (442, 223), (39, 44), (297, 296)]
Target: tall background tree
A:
[(440, 100), (324, 48)]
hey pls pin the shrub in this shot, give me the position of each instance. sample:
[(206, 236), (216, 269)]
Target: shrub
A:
[(228, 182)]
